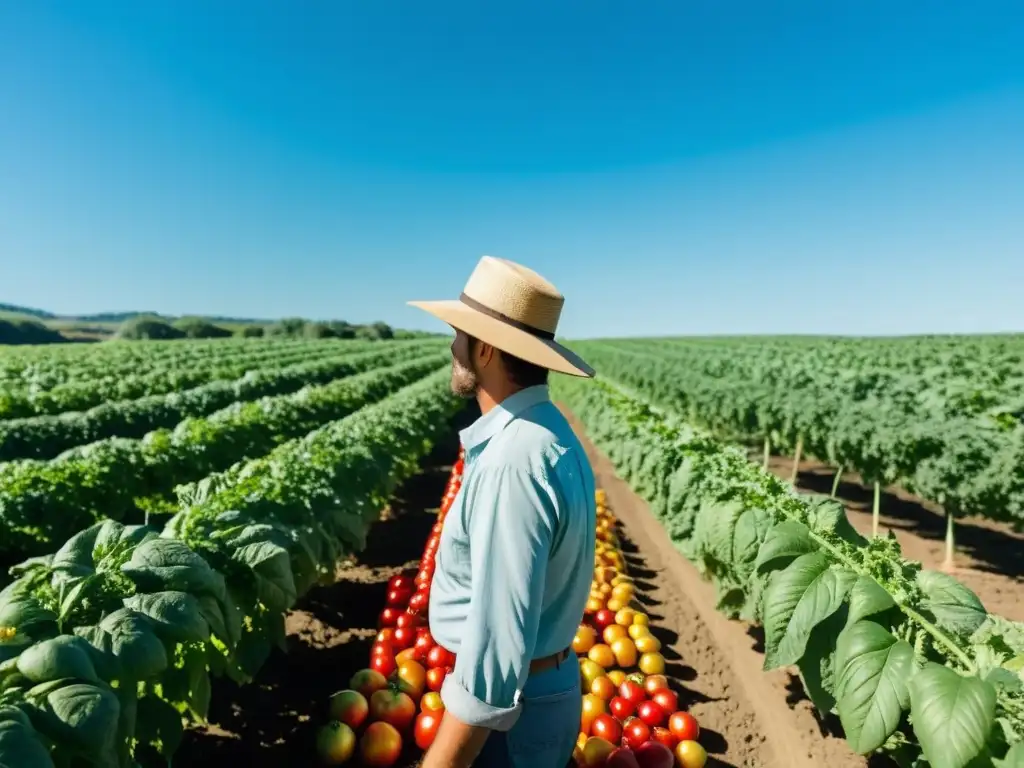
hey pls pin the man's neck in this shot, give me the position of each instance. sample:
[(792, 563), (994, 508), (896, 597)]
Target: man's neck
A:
[(489, 398)]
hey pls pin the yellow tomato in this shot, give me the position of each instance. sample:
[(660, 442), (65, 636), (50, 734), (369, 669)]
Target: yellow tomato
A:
[(617, 676), (594, 604), (624, 617), (612, 633), (585, 638), (589, 672), (648, 644), (641, 619), (636, 631), (581, 740), (602, 654), (624, 592), (652, 664), (625, 652), (592, 707), (616, 605), (690, 754)]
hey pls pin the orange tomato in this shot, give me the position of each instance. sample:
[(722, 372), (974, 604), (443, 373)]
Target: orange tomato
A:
[(654, 683), (596, 751), (592, 707), (603, 687), (690, 754), (411, 678), (636, 631), (625, 617), (431, 702), (585, 638), (613, 632), (617, 676), (603, 655)]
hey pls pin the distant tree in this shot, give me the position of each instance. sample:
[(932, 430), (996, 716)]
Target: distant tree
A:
[(251, 331), (318, 330), (24, 331), (289, 326), (200, 328), (342, 329), (145, 327)]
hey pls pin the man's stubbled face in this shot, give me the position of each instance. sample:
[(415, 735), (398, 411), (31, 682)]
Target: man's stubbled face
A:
[(464, 379)]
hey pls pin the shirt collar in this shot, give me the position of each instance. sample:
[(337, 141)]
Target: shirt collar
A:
[(490, 424)]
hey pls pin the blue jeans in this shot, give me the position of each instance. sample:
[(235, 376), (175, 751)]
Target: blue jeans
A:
[(546, 731)]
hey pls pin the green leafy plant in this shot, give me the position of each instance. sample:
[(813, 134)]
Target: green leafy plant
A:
[(909, 659)]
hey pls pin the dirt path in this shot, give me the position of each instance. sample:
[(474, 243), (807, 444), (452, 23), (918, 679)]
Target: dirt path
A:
[(747, 717), (989, 555)]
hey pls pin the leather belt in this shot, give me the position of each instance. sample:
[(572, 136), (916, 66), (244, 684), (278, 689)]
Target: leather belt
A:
[(547, 662)]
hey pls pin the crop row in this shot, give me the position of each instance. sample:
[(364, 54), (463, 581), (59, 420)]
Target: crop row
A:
[(951, 439), (81, 395), (111, 360), (42, 502), (43, 437), (908, 659), (105, 645)]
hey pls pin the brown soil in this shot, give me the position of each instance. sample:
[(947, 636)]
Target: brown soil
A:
[(747, 717), (989, 555)]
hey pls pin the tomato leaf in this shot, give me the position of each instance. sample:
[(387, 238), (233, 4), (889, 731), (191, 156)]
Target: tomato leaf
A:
[(158, 724), (953, 715), (798, 598), (872, 670)]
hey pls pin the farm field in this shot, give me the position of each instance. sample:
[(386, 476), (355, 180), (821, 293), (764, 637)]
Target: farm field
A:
[(286, 483)]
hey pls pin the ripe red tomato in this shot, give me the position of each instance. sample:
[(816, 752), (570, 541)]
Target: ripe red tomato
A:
[(400, 581), (436, 676), (388, 617), (380, 745), (654, 755), (440, 657), (683, 726), (399, 598), (634, 732), (632, 691), (606, 727), (664, 736), (367, 682), (424, 642), (394, 707), (386, 634), (622, 757), (621, 708), (603, 618), (382, 648), (667, 700), (651, 713), (427, 724), (420, 601), (404, 638), (408, 620), (349, 707), (383, 663)]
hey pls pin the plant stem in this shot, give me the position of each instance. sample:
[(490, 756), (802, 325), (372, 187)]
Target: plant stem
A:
[(835, 482), (767, 452), (875, 505), (950, 541), (796, 460)]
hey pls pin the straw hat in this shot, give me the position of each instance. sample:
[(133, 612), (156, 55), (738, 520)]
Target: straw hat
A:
[(514, 309)]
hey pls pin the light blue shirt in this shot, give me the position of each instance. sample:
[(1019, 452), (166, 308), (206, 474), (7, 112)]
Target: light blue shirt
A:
[(516, 556)]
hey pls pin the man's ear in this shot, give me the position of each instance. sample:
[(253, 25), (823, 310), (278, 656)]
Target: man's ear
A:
[(484, 354)]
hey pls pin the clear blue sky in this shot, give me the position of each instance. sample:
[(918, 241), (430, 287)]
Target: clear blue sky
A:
[(674, 167)]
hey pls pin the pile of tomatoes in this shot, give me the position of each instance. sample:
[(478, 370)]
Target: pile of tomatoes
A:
[(398, 695), (630, 717)]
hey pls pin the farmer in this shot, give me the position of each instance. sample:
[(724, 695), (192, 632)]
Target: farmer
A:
[(516, 555)]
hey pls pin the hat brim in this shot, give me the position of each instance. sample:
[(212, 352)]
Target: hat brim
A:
[(543, 352)]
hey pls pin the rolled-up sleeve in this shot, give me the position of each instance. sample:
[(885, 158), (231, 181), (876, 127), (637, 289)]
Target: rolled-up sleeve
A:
[(510, 525)]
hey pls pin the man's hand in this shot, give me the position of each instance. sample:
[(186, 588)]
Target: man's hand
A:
[(456, 744)]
